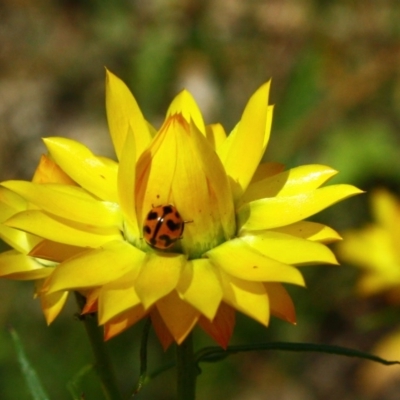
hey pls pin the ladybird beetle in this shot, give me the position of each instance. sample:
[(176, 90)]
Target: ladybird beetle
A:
[(162, 227)]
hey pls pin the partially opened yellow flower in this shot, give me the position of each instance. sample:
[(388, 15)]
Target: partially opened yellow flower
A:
[(376, 247), (187, 227)]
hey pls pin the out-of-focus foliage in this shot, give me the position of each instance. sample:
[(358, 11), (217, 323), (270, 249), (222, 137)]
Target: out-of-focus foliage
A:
[(336, 87)]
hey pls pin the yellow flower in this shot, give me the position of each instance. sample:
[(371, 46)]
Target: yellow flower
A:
[(16, 263), (243, 235), (375, 248)]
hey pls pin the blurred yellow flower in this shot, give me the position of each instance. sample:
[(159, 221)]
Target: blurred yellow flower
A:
[(375, 248), (243, 224)]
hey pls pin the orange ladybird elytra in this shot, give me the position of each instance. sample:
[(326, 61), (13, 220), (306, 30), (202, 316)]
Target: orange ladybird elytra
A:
[(163, 226)]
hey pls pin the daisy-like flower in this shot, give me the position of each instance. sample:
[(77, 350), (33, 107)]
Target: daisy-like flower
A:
[(231, 232), (375, 248)]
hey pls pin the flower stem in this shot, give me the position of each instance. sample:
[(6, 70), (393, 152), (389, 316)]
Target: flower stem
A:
[(102, 365), (186, 370)]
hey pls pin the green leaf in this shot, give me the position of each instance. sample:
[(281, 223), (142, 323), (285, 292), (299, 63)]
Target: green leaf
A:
[(31, 378)]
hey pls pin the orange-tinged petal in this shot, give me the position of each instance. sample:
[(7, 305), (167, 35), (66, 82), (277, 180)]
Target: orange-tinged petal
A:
[(68, 202), (89, 171), (311, 231), (250, 298), (91, 304), (14, 265), (240, 260), (289, 183), (54, 251), (123, 113), (267, 169), (179, 317), (94, 267), (49, 172), (275, 245), (123, 321), (254, 127), (186, 105), (158, 276), (161, 330), (221, 327), (281, 304), (279, 211), (127, 181), (118, 296), (74, 234), (216, 135), (197, 275)]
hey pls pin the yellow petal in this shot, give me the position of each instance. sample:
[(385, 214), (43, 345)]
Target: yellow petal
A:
[(21, 241), (49, 172), (123, 113), (311, 231), (186, 105), (247, 143), (218, 185), (68, 202), (238, 259), (158, 276), (52, 304), (289, 183), (281, 304), (89, 171), (127, 181), (94, 267), (178, 316), (248, 297), (14, 265), (280, 211), (118, 296), (10, 203), (289, 249), (123, 321), (74, 234), (216, 135), (197, 275)]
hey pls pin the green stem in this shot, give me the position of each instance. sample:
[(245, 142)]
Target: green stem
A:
[(186, 370), (102, 365)]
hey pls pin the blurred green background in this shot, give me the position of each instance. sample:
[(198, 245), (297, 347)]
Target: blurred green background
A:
[(335, 67)]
